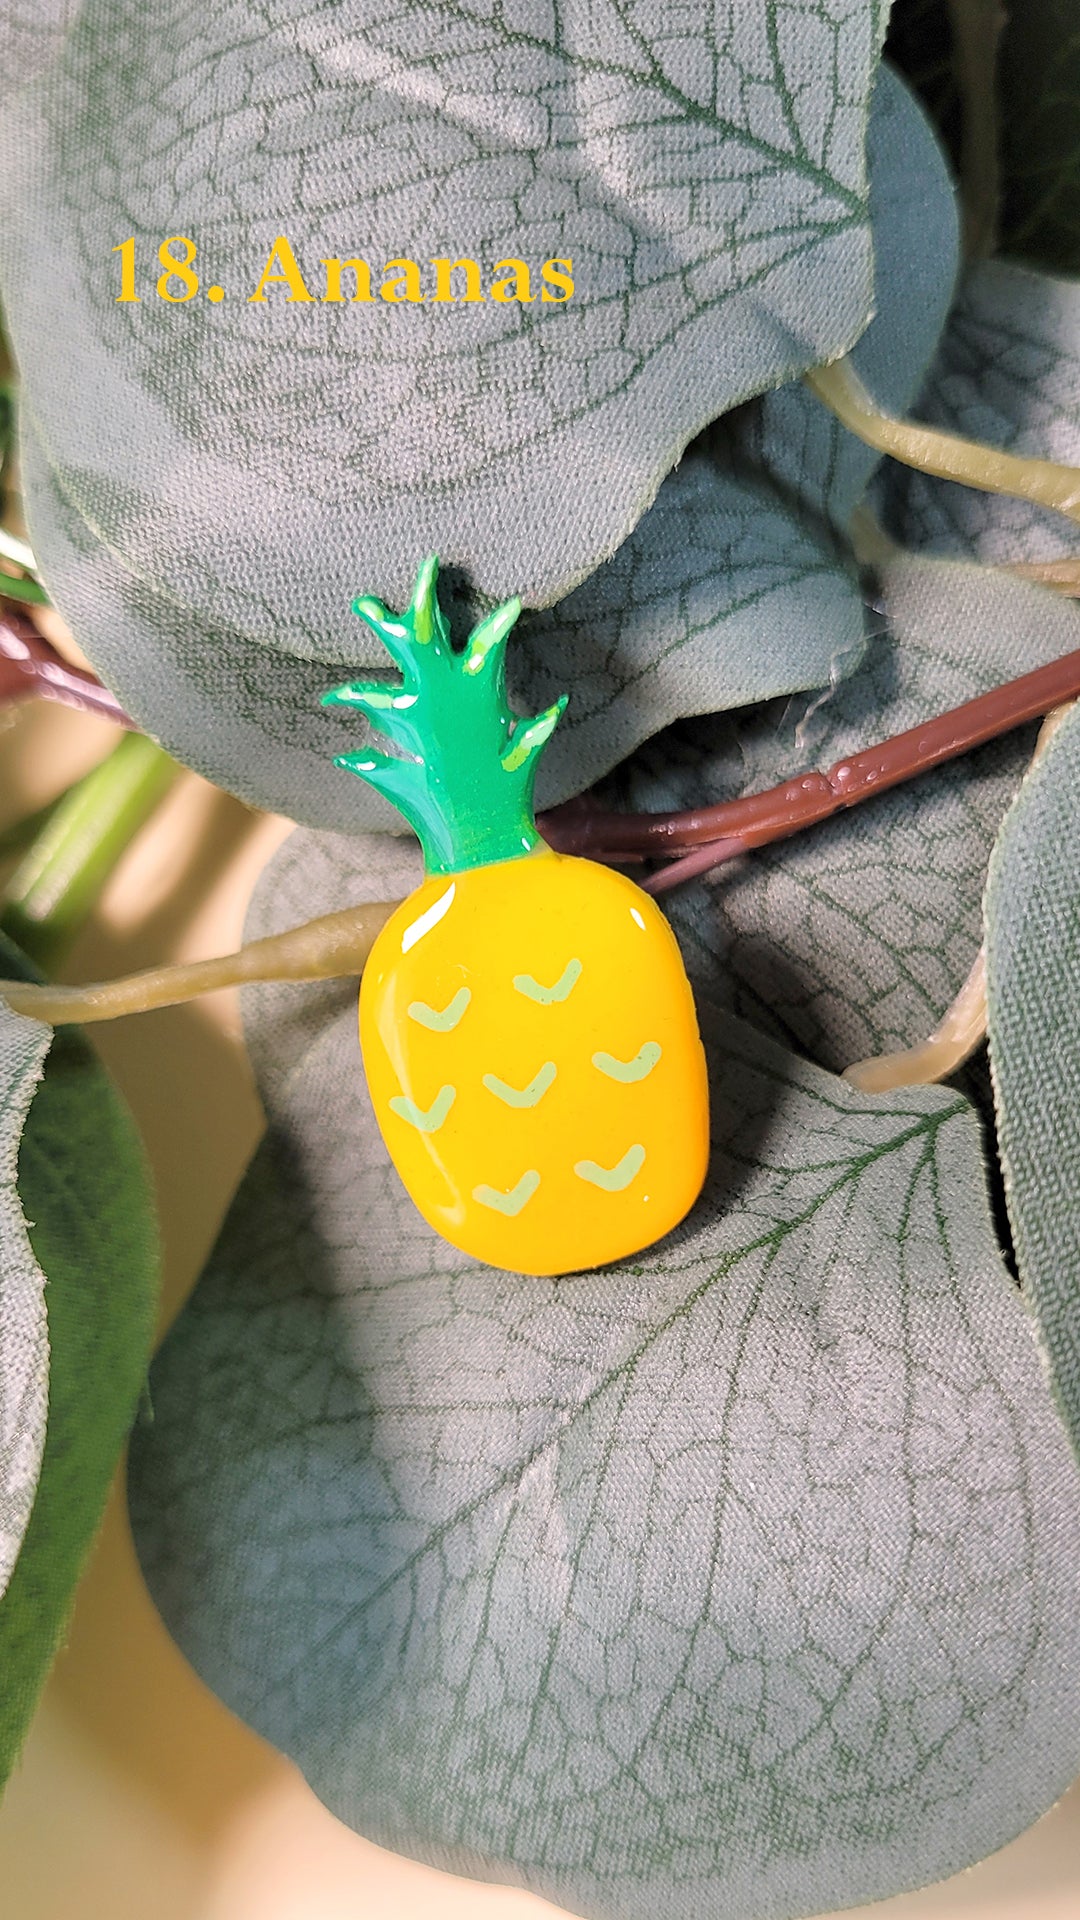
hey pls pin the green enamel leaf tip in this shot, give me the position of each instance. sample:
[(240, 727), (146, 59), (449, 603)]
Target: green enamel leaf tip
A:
[(464, 764)]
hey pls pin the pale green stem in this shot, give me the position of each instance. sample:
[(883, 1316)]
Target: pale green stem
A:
[(17, 551), (60, 876), (946, 455), (333, 947), (963, 1029), (18, 589), (870, 543)]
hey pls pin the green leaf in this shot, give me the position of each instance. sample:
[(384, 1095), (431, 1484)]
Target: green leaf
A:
[(80, 1247), (718, 598), (208, 486), (1033, 990), (1039, 109), (810, 457), (24, 1345), (739, 1580), (1007, 373), (853, 938), (738, 584), (30, 36)]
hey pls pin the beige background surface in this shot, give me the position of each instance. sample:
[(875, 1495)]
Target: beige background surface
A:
[(138, 1794)]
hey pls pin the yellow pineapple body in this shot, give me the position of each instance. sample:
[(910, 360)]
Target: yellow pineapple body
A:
[(534, 1062)]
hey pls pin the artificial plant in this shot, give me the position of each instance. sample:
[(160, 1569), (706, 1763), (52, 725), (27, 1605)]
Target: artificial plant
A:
[(738, 1580)]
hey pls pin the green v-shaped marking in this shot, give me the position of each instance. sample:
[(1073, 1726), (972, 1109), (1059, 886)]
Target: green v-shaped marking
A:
[(443, 1022), (628, 1071), (529, 1095), (429, 1121), (612, 1179), (544, 996), (512, 1202)]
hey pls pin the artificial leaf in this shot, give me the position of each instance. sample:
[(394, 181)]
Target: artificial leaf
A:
[(81, 1228), (1033, 991), (734, 586), (810, 458), (854, 937), (1039, 110), (718, 598), (208, 485), (24, 1344), (736, 1580), (1008, 374), (31, 33)]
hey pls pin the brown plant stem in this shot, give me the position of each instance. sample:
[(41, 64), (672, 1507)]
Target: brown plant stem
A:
[(689, 866), (735, 826), (337, 945)]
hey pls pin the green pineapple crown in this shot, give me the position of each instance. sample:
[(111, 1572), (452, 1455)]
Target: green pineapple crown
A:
[(467, 786)]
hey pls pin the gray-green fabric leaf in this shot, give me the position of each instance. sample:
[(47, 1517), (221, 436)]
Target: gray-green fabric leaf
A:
[(24, 1341), (79, 1239), (734, 586), (853, 938), (809, 456), (1007, 373), (31, 33), (739, 1580), (209, 485), (1033, 991), (718, 598)]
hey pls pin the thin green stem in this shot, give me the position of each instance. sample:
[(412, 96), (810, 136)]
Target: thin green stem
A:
[(16, 837), (15, 588), (7, 424), (17, 551), (946, 455), (56, 883)]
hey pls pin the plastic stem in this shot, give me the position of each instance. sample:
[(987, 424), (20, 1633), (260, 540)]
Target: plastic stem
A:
[(333, 947), (16, 588), (31, 666), (61, 875), (761, 818), (1044, 482)]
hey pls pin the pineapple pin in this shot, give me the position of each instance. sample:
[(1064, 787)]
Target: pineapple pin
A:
[(527, 1028)]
